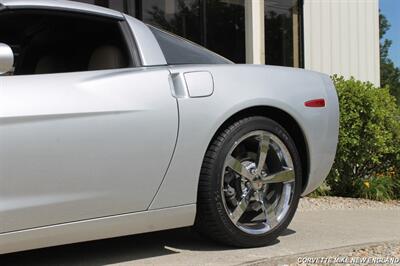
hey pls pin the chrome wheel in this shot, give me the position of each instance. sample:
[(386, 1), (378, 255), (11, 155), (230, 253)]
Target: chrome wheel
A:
[(258, 181)]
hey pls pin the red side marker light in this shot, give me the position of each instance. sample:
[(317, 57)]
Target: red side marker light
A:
[(315, 103)]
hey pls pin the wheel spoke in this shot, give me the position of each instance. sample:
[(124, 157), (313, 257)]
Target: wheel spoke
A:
[(239, 168), (270, 216), (269, 211), (241, 207), (284, 176), (262, 152)]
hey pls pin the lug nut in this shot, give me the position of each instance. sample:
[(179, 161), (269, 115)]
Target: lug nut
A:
[(263, 173)]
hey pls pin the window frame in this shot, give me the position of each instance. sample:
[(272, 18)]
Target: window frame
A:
[(131, 44)]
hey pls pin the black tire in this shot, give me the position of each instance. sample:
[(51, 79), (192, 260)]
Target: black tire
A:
[(212, 219)]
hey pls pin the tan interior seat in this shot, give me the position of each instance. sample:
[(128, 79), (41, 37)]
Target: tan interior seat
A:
[(106, 57)]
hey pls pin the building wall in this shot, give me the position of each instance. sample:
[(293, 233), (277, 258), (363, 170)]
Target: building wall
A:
[(342, 37)]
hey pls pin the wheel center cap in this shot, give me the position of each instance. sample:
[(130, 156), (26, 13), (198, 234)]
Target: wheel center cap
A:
[(257, 184)]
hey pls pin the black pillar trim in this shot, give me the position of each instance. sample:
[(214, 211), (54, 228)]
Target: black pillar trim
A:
[(103, 3), (138, 9)]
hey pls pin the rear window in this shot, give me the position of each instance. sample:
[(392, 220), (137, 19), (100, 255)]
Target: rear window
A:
[(178, 51)]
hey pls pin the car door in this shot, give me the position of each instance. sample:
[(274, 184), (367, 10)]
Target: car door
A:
[(82, 145)]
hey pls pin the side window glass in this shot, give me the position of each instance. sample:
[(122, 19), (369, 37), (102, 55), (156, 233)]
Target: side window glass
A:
[(179, 51), (46, 42)]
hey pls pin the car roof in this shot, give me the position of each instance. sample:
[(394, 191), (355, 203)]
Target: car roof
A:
[(61, 5)]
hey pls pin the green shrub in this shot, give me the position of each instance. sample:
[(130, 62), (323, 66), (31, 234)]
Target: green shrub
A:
[(369, 142), (376, 188)]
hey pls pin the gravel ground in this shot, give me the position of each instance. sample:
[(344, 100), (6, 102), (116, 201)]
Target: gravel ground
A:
[(372, 254), (325, 203), (384, 254), (382, 250)]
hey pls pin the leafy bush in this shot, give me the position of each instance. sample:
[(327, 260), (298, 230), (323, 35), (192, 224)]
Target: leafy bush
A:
[(377, 188), (369, 142)]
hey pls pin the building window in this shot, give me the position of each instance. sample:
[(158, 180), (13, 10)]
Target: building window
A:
[(219, 25), (216, 24), (225, 28), (177, 16), (283, 32)]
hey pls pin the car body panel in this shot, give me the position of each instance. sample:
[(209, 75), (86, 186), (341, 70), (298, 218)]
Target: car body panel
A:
[(238, 87), (75, 146), (121, 150), (99, 228), (148, 47)]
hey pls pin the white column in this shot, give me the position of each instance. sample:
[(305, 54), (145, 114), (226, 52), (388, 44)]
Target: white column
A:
[(255, 36)]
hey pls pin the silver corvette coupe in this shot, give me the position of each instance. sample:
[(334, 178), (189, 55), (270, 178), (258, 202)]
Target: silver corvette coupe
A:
[(111, 127)]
